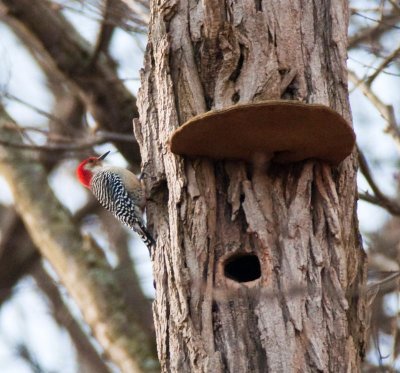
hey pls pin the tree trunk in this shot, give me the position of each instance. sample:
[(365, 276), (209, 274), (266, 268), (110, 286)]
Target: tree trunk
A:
[(305, 310)]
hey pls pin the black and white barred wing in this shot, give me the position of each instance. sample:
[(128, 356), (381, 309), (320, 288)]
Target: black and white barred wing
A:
[(112, 194)]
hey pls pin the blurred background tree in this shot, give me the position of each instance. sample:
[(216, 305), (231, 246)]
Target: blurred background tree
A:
[(68, 77)]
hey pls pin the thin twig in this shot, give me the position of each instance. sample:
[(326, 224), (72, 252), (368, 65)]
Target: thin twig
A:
[(32, 107), (374, 68), (52, 147), (395, 5), (99, 298), (386, 111), (379, 197), (373, 33), (104, 35), (380, 21), (382, 66), (136, 24), (101, 138), (110, 136)]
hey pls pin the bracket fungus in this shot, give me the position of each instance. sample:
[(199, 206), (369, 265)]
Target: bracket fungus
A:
[(284, 131)]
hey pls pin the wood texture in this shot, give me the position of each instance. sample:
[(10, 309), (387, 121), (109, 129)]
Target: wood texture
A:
[(306, 312)]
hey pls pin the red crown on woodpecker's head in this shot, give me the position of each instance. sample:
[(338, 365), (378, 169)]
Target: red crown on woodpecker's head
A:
[(84, 171)]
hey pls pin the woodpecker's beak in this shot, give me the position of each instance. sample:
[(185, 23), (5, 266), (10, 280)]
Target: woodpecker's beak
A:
[(103, 156)]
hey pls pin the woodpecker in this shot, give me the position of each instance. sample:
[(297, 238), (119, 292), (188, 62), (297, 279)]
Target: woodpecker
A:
[(119, 191)]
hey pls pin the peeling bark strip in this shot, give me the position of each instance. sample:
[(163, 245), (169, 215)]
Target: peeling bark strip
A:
[(305, 313)]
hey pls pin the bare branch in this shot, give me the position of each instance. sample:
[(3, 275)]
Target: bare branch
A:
[(380, 21), (382, 66), (33, 107), (386, 111), (371, 67), (380, 198), (87, 355), (110, 103), (29, 357), (126, 273), (374, 33), (78, 261), (105, 34), (18, 254), (131, 19), (100, 137), (140, 7), (395, 5)]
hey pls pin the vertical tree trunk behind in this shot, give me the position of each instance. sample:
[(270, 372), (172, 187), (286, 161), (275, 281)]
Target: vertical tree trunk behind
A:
[(299, 219)]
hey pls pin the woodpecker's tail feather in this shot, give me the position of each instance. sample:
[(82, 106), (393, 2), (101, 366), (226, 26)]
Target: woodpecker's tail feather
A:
[(146, 238)]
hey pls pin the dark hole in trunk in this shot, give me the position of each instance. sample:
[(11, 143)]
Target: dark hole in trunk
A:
[(243, 268)]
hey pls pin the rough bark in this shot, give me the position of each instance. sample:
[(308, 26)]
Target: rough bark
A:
[(306, 312)]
